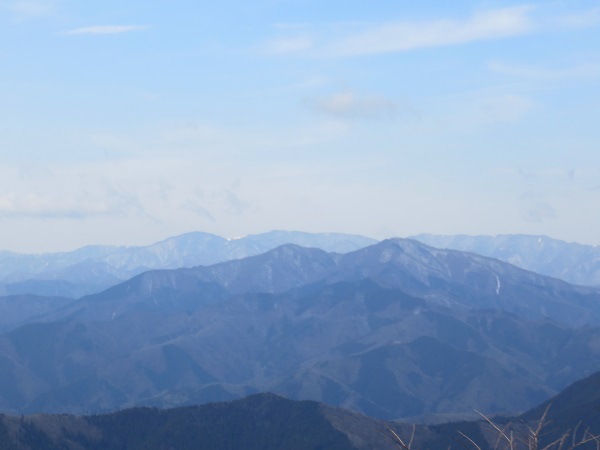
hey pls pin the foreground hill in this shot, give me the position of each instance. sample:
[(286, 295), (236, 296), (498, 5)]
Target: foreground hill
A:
[(579, 402), (575, 263), (397, 329), (260, 422), (267, 421), (92, 269)]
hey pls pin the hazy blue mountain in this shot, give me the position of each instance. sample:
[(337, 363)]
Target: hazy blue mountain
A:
[(459, 279), (450, 278), (575, 263), (55, 288), (397, 329), (92, 269), (23, 308)]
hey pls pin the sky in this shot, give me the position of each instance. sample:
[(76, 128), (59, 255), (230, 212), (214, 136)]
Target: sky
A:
[(127, 122)]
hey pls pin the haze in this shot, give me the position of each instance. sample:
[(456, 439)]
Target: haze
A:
[(127, 122)]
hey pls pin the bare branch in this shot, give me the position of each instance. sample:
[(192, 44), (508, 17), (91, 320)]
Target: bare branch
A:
[(395, 438), (501, 431), (468, 439), (412, 436)]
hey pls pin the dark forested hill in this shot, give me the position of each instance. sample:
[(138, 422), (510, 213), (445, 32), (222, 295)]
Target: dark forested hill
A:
[(267, 421), (260, 422)]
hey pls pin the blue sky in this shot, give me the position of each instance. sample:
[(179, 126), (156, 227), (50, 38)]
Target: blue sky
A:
[(128, 122)]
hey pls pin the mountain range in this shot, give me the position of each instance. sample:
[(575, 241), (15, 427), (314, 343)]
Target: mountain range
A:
[(94, 268), (396, 329)]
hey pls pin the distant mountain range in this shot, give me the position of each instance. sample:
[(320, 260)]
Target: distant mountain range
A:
[(95, 268), (575, 263), (92, 269), (270, 422), (395, 329)]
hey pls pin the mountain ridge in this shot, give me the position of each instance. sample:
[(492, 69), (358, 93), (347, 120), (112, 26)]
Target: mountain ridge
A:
[(397, 329), (91, 269), (573, 262)]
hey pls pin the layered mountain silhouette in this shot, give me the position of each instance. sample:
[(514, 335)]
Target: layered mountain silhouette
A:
[(94, 268), (396, 329), (267, 421)]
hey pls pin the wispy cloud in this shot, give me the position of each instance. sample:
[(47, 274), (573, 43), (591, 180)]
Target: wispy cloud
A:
[(107, 29), (535, 209), (30, 8), (506, 107), (405, 36), (583, 19), (290, 25), (34, 205), (289, 45), (310, 82), (348, 104), (586, 70), (529, 174)]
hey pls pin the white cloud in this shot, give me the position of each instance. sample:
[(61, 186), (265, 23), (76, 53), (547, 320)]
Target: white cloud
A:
[(45, 206), (536, 211), (350, 105), (289, 45), (583, 19), (554, 173), (307, 83), (586, 70), (107, 29), (64, 191), (506, 107), (290, 25), (404, 36), (31, 8)]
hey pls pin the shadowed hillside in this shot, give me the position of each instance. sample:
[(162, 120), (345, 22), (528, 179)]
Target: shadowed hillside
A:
[(267, 421)]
